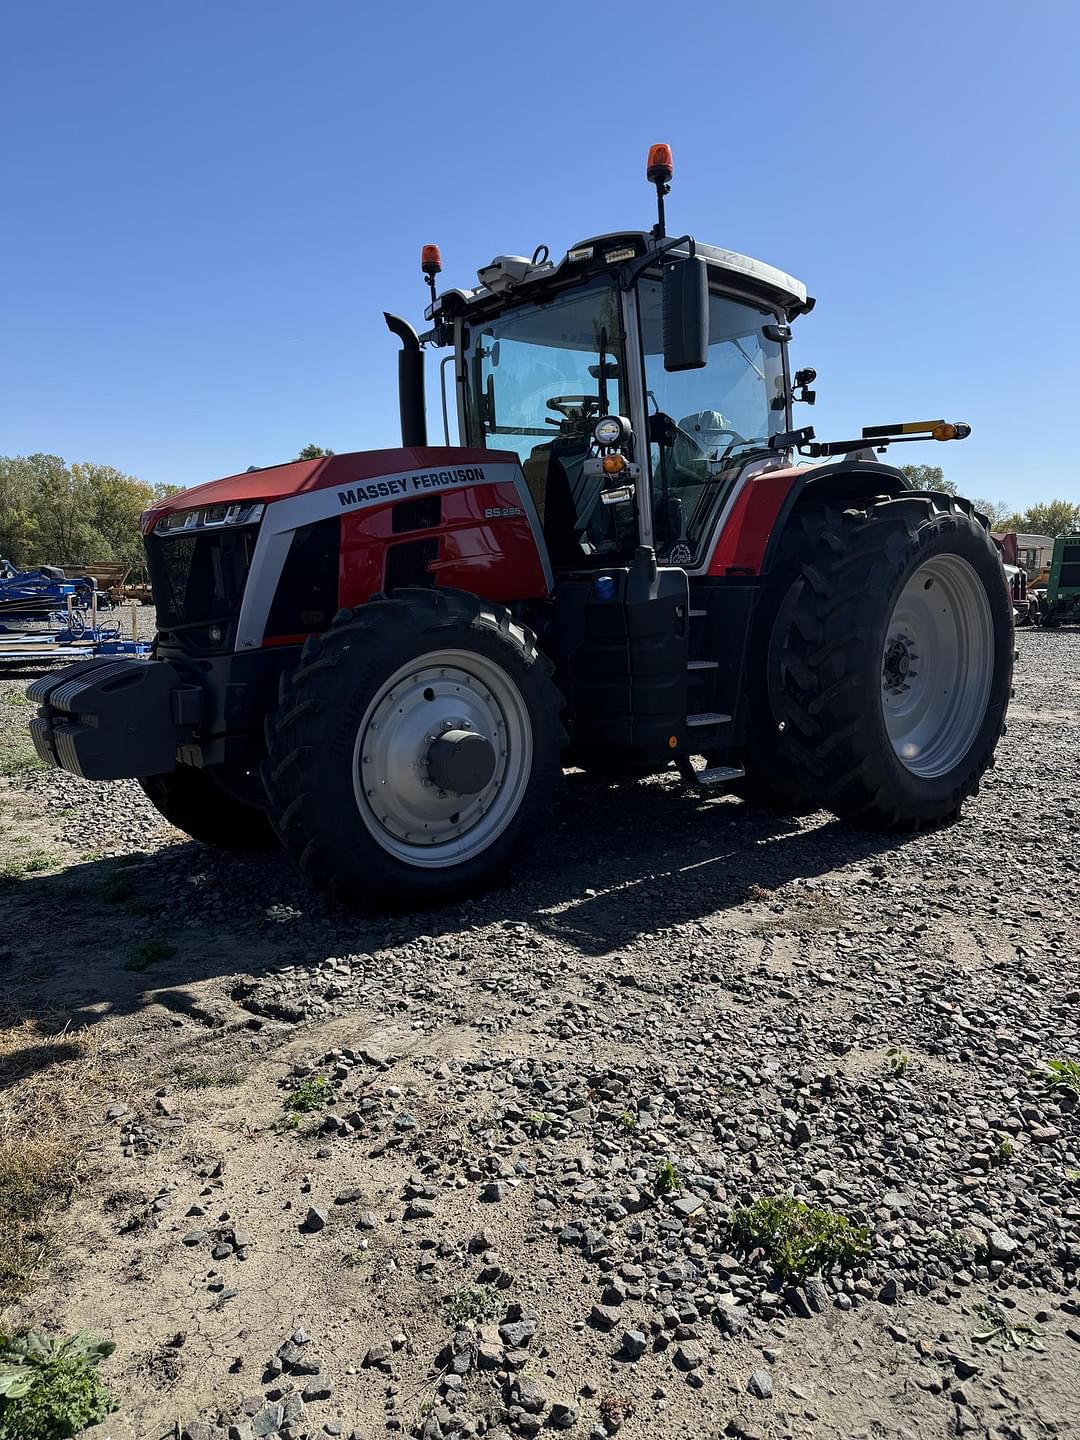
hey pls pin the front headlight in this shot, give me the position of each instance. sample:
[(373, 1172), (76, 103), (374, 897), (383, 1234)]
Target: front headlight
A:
[(210, 517)]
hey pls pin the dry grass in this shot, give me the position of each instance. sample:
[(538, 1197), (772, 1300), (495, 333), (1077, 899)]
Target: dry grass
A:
[(53, 1081), (17, 753)]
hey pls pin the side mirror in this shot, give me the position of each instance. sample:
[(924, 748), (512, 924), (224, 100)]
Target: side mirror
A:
[(686, 314)]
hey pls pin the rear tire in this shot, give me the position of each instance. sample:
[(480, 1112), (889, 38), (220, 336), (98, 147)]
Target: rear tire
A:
[(349, 770), (773, 781), (890, 662), (211, 806)]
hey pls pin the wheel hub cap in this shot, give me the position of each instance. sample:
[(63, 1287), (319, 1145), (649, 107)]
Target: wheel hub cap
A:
[(462, 761)]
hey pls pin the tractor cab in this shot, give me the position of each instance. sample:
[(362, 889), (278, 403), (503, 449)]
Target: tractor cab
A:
[(550, 355)]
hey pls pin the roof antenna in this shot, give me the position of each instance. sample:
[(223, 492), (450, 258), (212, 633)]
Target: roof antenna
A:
[(659, 173)]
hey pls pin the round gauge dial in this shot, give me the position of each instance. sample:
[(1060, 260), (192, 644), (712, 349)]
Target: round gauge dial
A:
[(609, 430)]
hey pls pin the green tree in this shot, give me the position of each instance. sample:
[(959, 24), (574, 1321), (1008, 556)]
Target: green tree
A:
[(52, 513), (313, 452), (1053, 517), (928, 477), (998, 512), (932, 477)]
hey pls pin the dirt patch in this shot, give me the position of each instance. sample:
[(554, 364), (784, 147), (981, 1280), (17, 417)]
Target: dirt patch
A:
[(509, 1208)]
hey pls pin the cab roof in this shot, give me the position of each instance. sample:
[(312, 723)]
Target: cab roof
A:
[(606, 253)]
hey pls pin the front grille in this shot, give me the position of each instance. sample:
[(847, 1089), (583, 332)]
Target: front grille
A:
[(198, 578)]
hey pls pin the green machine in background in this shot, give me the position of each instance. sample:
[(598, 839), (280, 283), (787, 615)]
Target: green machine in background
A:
[(1059, 604)]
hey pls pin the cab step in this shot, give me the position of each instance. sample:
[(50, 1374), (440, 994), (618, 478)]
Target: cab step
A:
[(708, 717), (718, 774), (703, 665), (711, 775)]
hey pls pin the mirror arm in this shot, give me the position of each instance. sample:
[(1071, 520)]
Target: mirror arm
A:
[(629, 273)]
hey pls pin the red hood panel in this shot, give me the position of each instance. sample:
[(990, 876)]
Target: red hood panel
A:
[(278, 482)]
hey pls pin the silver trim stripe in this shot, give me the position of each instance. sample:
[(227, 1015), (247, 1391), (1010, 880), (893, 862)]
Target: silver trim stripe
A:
[(283, 517)]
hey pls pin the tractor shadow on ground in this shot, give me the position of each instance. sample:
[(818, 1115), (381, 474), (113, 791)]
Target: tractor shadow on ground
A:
[(618, 862)]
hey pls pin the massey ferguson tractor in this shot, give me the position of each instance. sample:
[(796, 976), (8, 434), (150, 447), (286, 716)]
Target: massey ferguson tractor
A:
[(382, 660)]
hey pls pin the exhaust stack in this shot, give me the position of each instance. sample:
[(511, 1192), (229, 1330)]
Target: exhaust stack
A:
[(410, 381)]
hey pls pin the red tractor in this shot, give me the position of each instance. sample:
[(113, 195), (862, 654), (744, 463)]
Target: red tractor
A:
[(382, 660)]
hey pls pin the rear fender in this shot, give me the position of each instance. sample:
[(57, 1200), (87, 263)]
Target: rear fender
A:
[(761, 508)]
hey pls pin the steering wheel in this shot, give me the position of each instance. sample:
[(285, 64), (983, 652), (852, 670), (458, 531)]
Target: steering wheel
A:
[(572, 407)]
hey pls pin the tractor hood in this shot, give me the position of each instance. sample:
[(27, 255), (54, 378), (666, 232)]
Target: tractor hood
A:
[(299, 477)]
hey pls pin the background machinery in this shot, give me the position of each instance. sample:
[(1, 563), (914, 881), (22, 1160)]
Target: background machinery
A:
[(1059, 603), (381, 660)]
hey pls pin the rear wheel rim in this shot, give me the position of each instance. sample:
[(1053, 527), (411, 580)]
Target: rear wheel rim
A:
[(937, 666), (401, 806)]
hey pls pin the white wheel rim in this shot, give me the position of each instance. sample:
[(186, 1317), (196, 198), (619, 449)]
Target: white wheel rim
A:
[(399, 803), (937, 666)]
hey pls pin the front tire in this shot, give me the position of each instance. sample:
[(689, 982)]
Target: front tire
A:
[(361, 790), (214, 806), (890, 662)]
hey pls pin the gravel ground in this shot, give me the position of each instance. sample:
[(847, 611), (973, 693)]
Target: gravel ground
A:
[(518, 1199)]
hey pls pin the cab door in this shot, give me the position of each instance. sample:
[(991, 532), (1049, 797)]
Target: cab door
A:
[(702, 426)]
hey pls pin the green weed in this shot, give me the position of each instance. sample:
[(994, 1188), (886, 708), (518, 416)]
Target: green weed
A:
[(666, 1178), (959, 1244), (1063, 1072), (145, 953), (999, 1333), (313, 1093), (897, 1060), (798, 1238), (49, 1387), (628, 1121), (117, 887), (33, 862), (474, 1302)]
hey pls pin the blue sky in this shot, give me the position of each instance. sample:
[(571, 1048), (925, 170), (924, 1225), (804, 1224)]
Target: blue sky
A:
[(208, 206)]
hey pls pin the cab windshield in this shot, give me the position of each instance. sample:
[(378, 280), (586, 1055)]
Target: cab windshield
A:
[(536, 379)]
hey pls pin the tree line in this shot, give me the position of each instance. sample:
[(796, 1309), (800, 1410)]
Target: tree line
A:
[(55, 513), (1049, 517)]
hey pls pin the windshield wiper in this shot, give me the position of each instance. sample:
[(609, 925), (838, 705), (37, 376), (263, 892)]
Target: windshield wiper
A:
[(757, 443)]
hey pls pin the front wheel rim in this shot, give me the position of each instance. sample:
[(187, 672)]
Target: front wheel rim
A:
[(937, 666), (407, 814)]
